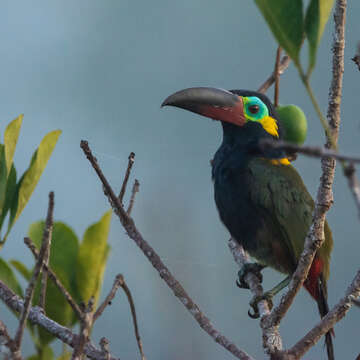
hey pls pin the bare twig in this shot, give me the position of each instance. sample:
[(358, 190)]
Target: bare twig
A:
[(135, 189), (55, 279), (131, 159), (37, 317), (85, 328), (284, 63), (277, 77), (46, 237), (109, 297), (356, 58), (120, 282), (155, 260), (29, 293), (9, 342), (313, 151), (133, 314)]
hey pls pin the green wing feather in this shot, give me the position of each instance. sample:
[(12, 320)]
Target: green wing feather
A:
[(281, 193)]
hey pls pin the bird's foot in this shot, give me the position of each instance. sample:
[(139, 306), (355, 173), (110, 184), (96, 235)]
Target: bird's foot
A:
[(247, 268), (255, 301)]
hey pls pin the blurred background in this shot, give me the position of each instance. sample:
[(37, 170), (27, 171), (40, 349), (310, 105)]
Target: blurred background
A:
[(99, 71)]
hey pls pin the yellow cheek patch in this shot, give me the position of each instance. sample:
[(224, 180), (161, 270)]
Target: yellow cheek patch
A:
[(283, 161), (269, 124)]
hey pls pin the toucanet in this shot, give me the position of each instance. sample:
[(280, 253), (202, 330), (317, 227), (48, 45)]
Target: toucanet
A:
[(260, 197)]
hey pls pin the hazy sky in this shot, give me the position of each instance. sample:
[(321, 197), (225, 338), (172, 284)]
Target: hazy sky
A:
[(99, 70)]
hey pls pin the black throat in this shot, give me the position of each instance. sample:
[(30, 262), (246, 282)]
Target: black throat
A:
[(240, 144)]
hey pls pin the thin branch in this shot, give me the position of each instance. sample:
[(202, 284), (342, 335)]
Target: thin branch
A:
[(133, 314), (109, 297), (37, 317), (9, 342), (328, 321), (55, 279), (46, 237), (324, 200), (312, 151), (131, 160), (277, 77), (271, 337), (29, 293), (155, 260), (135, 189), (86, 322), (284, 63)]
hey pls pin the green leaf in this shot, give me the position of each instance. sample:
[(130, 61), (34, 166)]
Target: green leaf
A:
[(317, 15), (36, 168), (31, 177), (46, 354), (9, 195), (65, 356), (3, 177), (21, 268), (63, 260), (92, 259), (11, 136), (8, 277), (285, 19)]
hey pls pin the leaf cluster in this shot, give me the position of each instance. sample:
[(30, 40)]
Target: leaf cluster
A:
[(79, 265), (291, 25)]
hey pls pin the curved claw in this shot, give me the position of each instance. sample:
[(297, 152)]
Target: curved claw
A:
[(253, 268), (255, 301)]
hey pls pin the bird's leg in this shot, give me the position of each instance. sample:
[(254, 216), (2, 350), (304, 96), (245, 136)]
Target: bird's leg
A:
[(254, 268), (268, 297)]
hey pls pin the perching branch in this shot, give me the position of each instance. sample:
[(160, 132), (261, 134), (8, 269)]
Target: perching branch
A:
[(271, 338), (284, 63), (29, 293), (324, 199), (153, 257), (37, 317)]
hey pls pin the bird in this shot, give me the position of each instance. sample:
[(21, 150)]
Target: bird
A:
[(260, 197)]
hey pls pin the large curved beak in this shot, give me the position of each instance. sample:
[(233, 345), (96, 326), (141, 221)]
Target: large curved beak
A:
[(217, 104)]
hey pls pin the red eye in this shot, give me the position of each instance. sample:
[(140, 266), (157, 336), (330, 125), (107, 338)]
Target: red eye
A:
[(254, 109)]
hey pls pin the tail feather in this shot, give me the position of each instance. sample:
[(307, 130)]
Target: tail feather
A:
[(323, 310)]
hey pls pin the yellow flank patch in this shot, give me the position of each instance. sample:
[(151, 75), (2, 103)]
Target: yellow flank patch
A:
[(283, 161), (269, 124)]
